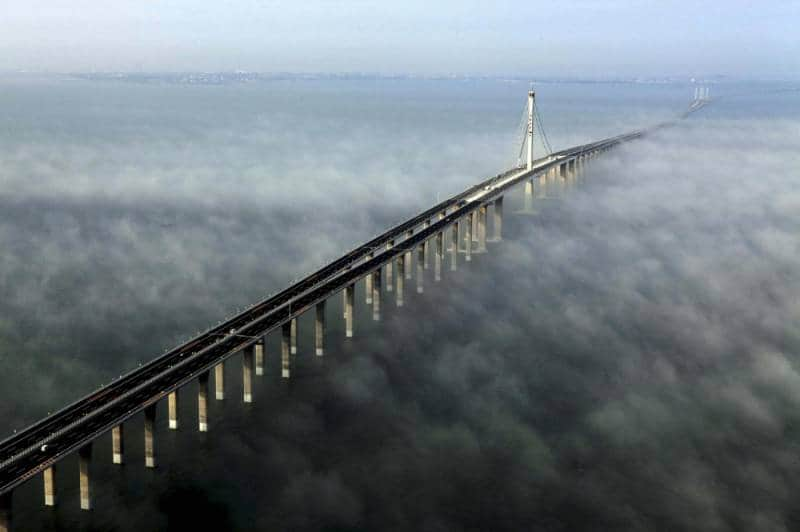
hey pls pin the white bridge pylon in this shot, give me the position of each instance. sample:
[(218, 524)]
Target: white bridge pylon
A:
[(530, 122)]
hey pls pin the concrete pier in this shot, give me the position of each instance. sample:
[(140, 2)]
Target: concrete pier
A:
[(401, 261), (118, 444), (527, 198), (570, 173), (376, 294), (438, 256), (172, 402), (219, 381), (248, 354), (259, 351), (202, 400), (408, 259), (294, 336), (49, 476), (368, 283), (422, 255), (542, 185), (468, 237), (84, 471), (454, 247), (420, 267), (5, 512), (389, 269), (426, 247), (319, 329), (286, 339), (497, 223), (149, 436), (481, 226), (348, 313), (454, 243)]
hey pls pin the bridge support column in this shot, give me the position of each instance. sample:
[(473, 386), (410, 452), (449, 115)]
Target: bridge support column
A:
[(420, 267), (202, 399), (571, 172), (409, 258), (527, 198), (528, 205), (498, 219), (259, 347), (348, 313), (558, 180), (294, 336), (84, 463), (368, 280), (374, 277), (319, 328), (426, 247), (117, 444), (286, 340), (401, 261), (247, 374), (5, 512), (437, 267), (481, 236), (172, 402), (389, 269), (468, 237), (454, 247), (376, 295), (149, 436), (219, 381), (49, 476), (543, 185)]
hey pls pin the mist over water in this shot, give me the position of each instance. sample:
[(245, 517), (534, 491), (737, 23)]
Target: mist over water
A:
[(625, 360)]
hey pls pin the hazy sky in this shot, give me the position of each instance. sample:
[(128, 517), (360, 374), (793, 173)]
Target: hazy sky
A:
[(572, 38)]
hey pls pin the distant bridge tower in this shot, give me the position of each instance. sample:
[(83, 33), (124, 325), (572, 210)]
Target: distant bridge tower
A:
[(531, 96)]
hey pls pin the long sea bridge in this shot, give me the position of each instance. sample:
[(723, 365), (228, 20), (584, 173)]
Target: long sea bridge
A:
[(456, 226)]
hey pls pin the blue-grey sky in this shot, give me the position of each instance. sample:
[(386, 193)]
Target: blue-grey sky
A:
[(604, 38)]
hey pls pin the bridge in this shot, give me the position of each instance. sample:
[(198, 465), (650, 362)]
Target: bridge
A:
[(457, 225)]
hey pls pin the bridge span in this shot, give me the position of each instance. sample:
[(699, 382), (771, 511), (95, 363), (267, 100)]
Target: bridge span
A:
[(384, 264)]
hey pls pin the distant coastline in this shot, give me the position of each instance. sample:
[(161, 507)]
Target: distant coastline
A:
[(235, 77)]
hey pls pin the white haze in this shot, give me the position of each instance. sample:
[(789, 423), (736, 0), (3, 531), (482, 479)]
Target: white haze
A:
[(626, 360)]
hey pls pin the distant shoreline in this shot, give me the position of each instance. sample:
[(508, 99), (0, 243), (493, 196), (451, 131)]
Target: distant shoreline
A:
[(234, 77)]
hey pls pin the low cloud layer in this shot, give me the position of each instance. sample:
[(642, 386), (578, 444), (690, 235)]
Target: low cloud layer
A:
[(625, 360)]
